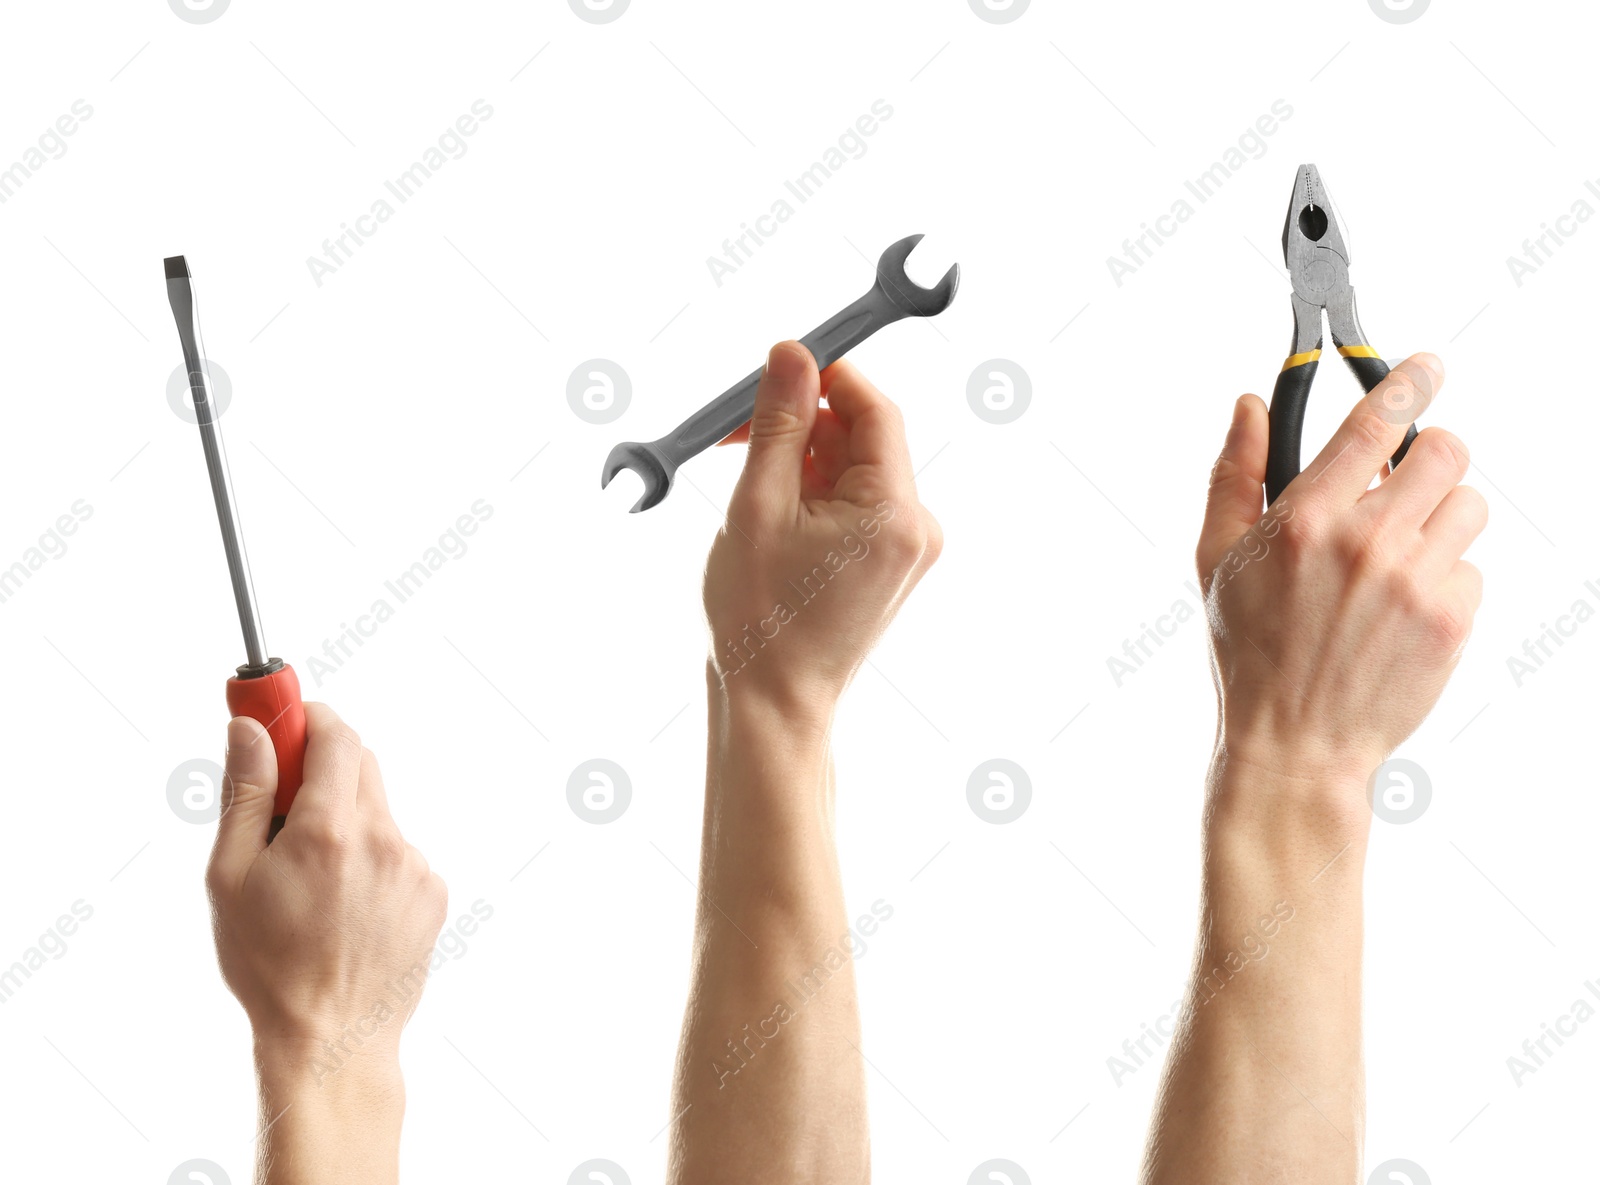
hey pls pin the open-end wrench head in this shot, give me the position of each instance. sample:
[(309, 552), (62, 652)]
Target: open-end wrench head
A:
[(653, 469), (904, 293)]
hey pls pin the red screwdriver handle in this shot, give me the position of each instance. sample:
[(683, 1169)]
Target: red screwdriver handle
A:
[(273, 701)]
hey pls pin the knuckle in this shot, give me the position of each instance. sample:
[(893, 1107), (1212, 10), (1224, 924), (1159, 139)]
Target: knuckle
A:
[(905, 540), (1360, 547), (1295, 533), (388, 847), (775, 420), (1371, 429), (1450, 623), (935, 541), (233, 789), (1224, 469), (1400, 588), (1443, 449), (329, 839), (1404, 590), (903, 534), (344, 738)]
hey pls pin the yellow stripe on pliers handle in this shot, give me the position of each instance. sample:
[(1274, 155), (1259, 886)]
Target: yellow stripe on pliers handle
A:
[(1357, 352), (1295, 360)]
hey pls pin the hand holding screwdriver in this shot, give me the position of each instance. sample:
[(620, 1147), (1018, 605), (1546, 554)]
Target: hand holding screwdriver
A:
[(324, 936)]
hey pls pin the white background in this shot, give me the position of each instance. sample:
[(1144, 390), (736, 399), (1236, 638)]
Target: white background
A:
[(373, 410)]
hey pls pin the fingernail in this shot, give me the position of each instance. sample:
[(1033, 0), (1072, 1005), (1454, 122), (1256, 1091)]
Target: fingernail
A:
[(1238, 412)]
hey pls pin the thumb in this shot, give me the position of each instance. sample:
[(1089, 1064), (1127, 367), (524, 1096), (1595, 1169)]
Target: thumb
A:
[(780, 428), (249, 784), (1233, 504)]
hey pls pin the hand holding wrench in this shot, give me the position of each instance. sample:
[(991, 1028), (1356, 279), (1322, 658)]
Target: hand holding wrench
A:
[(893, 297)]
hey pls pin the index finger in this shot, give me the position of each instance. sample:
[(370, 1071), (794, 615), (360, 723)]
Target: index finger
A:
[(333, 770), (1371, 433), (877, 429)]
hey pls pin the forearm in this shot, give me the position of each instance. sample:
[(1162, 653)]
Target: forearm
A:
[(321, 1121), (769, 1082), (1265, 1081)]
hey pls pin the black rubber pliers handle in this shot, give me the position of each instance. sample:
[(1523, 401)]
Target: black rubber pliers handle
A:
[(1288, 411)]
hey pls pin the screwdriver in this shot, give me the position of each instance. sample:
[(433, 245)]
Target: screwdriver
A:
[(265, 689)]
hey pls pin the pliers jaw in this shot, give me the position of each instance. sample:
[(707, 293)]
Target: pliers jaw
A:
[(1311, 223), (1318, 263)]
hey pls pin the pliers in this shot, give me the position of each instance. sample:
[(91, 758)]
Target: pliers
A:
[(1319, 269)]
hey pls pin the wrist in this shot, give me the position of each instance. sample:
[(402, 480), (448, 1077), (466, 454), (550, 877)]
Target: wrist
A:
[(1277, 807), (330, 1076), (323, 1120), (790, 716), (769, 774), (1316, 772)]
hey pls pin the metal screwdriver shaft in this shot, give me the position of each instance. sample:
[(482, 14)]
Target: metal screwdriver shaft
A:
[(180, 293)]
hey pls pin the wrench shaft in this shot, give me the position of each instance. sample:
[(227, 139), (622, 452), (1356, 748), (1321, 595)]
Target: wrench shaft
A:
[(829, 342), (847, 329)]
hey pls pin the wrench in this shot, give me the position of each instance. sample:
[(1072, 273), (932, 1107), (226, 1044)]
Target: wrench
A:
[(892, 297)]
